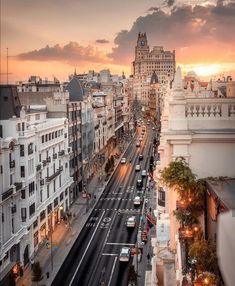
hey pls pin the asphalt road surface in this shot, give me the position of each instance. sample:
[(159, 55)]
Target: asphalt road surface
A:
[(94, 257)]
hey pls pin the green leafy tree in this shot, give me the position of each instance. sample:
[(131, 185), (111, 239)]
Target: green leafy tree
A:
[(205, 254), (107, 166), (112, 161), (37, 272)]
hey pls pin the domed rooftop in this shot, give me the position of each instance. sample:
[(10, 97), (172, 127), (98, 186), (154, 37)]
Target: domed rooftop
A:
[(75, 89)]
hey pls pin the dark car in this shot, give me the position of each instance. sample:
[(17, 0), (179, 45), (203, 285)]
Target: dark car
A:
[(141, 157), (139, 183)]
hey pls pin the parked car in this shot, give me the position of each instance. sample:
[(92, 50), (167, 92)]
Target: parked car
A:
[(124, 255), (131, 221), (141, 157), (137, 167), (123, 160), (144, 173), (138, 144)]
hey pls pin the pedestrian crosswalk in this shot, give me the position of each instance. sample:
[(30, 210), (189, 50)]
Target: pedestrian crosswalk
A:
[(119, 210), (115, 199)]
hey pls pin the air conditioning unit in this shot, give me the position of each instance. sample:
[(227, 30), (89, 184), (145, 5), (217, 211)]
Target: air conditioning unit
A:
[(42, 182)]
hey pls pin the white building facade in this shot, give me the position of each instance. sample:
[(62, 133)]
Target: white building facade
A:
[(35, 183), (202, 130)]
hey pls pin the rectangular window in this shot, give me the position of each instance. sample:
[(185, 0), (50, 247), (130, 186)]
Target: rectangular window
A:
[(22, 171), (30, 148), (35, 238), (54, 185), (41, 195), (43, 138), (42, 215), (23, 214), (23, 194), (35, 223), (31, 188), (48, 191), (32, 209), (21, 150)]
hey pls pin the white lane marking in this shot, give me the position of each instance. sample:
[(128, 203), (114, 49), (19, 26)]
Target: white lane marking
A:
[(120, 243), (110, 254), (115, 261), (86, 249)]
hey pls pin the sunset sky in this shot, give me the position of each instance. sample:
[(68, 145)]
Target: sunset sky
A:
[(51, 37)]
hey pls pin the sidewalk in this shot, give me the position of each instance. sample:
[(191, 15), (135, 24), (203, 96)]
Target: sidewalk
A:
[(64, 235)]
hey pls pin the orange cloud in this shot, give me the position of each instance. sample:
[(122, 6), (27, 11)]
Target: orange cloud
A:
[(72, 54)]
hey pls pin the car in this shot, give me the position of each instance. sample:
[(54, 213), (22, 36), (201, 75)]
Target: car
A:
[(142, 133), (144, 173), (141, 157), (137, 167), (137, 201), (123, 160), (148, 123), (153, 128), (138, 144), (139, 183), (124, 255), (131, 221)]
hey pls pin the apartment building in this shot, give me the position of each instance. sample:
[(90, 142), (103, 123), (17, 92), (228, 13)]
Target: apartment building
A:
[(35, 178), (202, 131)]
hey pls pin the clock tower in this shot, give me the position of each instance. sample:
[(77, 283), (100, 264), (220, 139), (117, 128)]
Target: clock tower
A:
[(142, 47)]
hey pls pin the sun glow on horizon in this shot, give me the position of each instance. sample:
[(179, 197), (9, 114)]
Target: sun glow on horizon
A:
[(208, 70)]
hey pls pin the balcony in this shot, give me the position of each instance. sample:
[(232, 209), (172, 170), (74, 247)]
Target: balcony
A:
[(48, 159), (44, 162), (61, 153), (30, 151), (12, 164), (7, 194), (186, 232), (53, 176), (55, 156), (18, 186)]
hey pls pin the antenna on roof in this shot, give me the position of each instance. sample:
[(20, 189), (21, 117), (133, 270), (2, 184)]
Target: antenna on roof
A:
[(7, 73)]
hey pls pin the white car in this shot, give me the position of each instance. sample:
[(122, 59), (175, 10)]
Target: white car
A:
[(123, 161), (124, 255), (131, 221), (137, 201), (144, 173), (138, 144), (137, 167)]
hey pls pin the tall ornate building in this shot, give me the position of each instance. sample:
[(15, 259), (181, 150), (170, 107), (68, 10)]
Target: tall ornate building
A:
[(146, 61)]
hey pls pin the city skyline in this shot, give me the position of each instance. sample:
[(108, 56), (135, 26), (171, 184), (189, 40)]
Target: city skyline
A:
[(52, 38)]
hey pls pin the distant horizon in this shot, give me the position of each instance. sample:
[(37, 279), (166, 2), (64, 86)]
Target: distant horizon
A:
[(90, 36)]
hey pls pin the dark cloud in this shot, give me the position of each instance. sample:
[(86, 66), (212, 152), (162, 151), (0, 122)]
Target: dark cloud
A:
[(102, 41), (207, 27), (71, 53)]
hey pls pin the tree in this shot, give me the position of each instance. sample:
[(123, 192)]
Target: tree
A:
[(107, 166), (37, 272), (112, 160), (205, 254), (132, 275)]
